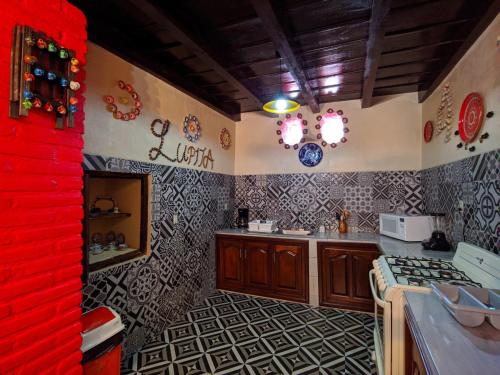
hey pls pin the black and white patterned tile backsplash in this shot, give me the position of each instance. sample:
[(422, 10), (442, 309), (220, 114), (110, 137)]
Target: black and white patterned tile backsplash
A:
[(312, 199), (476, 182), (154, 291)]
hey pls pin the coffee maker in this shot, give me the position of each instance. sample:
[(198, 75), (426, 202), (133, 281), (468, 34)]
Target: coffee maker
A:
[(438, 240), (242, 221)]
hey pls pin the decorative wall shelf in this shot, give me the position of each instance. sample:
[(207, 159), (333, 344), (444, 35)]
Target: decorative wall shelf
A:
[(111, 238)]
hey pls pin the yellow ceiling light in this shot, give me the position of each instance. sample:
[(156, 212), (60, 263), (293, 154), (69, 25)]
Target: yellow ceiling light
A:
[(280, 104)]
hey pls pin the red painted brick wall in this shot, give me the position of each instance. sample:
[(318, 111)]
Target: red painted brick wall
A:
[(40, 211)]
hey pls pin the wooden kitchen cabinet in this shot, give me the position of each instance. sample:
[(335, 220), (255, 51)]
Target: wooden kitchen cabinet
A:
[(276, 268), (229, 263), (343, 275)]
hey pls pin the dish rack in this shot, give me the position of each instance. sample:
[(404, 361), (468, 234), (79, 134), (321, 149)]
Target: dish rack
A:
[(470, 306), (264, 226)]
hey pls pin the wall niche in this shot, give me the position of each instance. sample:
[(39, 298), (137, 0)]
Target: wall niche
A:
[(117, 218)]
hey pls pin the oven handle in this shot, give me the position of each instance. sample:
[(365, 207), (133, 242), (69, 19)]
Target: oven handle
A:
[(374, 289)]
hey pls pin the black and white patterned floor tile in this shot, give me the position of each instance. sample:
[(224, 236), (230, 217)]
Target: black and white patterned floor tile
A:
[(231, 333)]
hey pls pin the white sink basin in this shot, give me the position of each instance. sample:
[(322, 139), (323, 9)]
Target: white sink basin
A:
[(296, 232)]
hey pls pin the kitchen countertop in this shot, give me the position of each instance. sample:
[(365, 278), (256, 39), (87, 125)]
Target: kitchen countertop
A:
[(387, 245), (446, 347)]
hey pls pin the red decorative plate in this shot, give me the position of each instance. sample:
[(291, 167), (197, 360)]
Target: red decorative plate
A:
[(471, 117), (428, 131)]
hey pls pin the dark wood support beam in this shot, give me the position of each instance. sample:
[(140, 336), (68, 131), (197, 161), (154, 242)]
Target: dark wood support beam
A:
[(483, 23), (275, 31), (380, 10), (192, 42)]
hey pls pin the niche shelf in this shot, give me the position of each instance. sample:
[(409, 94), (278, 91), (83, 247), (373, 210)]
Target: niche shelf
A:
[(116, 205)]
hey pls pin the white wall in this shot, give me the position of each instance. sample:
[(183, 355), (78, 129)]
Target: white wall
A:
[(477, 71), (386, 136), (132, 140)]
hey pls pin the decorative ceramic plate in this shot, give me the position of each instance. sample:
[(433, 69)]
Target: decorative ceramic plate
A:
[(192, 128), (310, 154), (471, 117), (225, 139), (428, 131)]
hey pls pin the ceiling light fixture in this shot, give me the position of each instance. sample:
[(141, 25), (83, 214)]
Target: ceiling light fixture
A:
[(280, 104)]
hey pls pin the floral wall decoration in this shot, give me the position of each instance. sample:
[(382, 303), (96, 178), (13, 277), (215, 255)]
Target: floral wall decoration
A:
[(332, 128), (292, 130), (445, 113), (185, 154), (192, 128), (225, 139), (133, 102), (42, 77)]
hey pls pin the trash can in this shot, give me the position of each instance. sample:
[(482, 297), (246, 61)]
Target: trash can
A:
[(102, 334)]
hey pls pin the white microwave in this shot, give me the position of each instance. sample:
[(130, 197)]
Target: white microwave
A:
[(406, 228)]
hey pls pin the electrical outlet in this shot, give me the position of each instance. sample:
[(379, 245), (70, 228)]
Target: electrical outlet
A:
[(176, 219)]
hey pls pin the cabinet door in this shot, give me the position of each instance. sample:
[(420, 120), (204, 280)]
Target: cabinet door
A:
[(258, 258), (343, 273), (290, 272), (361, 265), (229, 264), (335, 276)]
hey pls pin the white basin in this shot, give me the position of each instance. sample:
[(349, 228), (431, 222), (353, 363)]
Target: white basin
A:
[(296, 232)]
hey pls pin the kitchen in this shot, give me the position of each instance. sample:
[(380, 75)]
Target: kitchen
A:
[(354, 232)]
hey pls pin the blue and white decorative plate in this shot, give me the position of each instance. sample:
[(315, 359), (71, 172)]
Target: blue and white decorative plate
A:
[(310, 154), (192, 128)]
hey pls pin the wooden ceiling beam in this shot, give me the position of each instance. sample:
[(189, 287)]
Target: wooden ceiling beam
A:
[(380, 10), (191, 42), (270, 21), (488, 17)]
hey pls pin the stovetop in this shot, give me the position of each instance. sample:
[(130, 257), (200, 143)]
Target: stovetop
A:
[(422, 271)]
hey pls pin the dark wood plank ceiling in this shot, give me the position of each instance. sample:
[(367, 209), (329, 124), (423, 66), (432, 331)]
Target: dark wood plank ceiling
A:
[(236, 55)]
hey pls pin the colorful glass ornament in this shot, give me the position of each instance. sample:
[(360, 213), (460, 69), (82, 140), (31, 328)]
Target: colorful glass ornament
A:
[(51, 76), (129, 87), (110, 101), (118, 115), (126, 117), (132, 116), (29, 40), (63, 53), (51, 47), (40, 43), (73, 85), (27, 94), (28, 59), (27, 104), (64, 82), (192, 128), (74, 69), (74, 61), (61, 109), (73, 100), (73, 108), (28, 77), (111, 108), (48, 107), (39, 72), (37, 103)]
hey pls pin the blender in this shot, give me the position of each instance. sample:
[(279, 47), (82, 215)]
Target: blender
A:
[(438, 240)]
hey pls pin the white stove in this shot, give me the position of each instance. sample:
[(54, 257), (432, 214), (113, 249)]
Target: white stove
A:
[(391, 275)]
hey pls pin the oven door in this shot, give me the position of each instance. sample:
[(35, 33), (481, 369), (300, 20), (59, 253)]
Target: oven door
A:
[(382, 329)]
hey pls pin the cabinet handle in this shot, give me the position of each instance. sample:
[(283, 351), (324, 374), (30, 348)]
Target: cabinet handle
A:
[(263, 251), (245, 252), (274, 256), (291, 253), (241, 253)]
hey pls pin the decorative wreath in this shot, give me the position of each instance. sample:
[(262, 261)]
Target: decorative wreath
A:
[(291, 131), (111, 106), (332, 128), (225, 139), (192, 128)]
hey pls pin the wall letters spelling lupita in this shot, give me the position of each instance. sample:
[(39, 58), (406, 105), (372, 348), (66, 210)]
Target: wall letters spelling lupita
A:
[(195, 156)]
